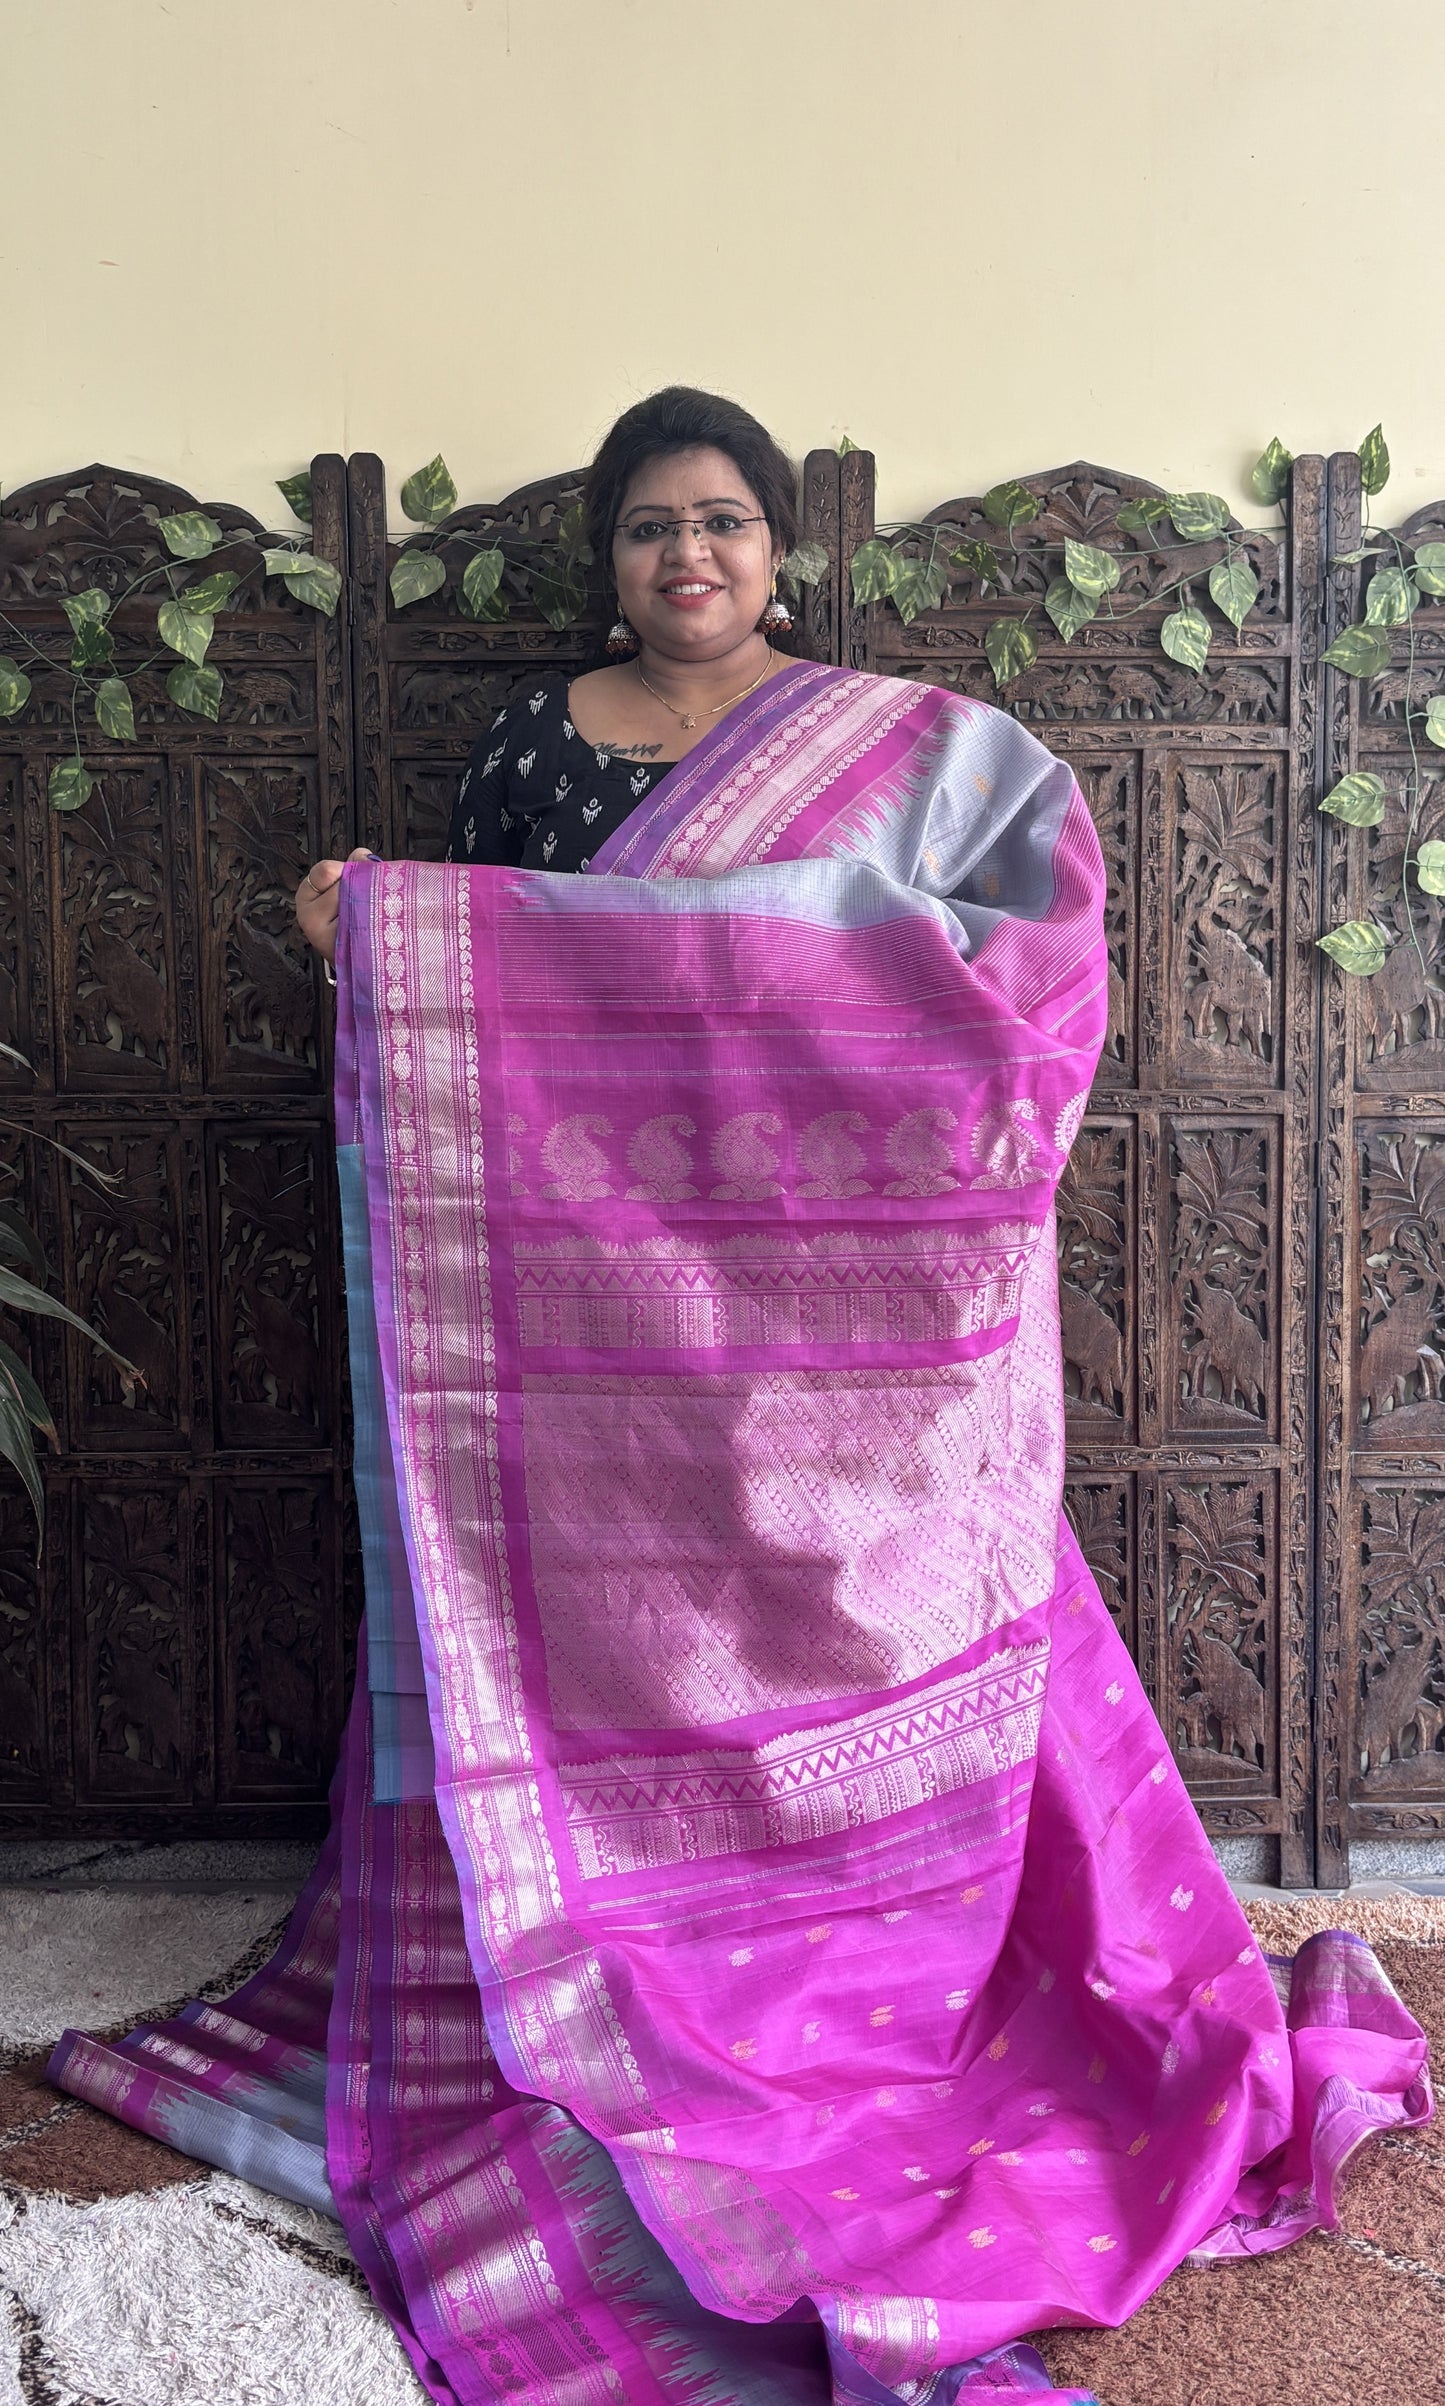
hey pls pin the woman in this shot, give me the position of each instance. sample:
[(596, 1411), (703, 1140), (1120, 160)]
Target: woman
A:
[(765, 1951)]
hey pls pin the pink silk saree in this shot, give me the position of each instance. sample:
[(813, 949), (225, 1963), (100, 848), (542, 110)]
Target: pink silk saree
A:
[(764, 1954)]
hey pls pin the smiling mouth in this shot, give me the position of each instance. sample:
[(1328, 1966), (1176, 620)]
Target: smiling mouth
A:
[(689, 588)]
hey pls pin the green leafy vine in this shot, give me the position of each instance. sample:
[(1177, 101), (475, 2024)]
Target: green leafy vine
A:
[(187, 608)]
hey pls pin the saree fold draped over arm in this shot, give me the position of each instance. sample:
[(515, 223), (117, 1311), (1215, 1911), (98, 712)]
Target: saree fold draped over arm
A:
[(786, 1963)]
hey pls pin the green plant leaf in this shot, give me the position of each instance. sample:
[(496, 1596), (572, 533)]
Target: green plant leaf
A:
[(17, 1446), (416, 574), (1089, 570), (18, 1295), (114, 711), (1068, 608), (92, 648), (196, 689), (980, 559), (88, 609), (559, 590), (846, 445), (1435, 720), (32, 1403), (920, 586), (481, 578), (874, 571), (1352, 559), (186, 631), (19, 1240), (1185, 635), (1390, 598), (14, 687), (1374, 461), (1356, 946), (427, 497), (1430, 568), (318, 586), (211, 593), (572, 535), (1430, 868), (1360, 651), (1269, 477), (1197, 516), (189, 535), (1145, 510), (1010, 648), (1010, 504), (295, 491), (11, 1055), (806, 564), (71, 785), (1358, 800), (1233, 588)]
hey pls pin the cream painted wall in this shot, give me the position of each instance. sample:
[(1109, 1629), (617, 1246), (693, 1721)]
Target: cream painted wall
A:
[(980, 239)]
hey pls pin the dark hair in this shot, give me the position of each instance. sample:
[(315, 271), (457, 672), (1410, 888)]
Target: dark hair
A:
[(680, 419)]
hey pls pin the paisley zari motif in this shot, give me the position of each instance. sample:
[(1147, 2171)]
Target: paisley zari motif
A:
[(764, 1955)]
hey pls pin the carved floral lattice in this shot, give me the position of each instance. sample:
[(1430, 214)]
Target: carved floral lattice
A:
[(1218, 1555), (1400, 1707), (1220, 1274)]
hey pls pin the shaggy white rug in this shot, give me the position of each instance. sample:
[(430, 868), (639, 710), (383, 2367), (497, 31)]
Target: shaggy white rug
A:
[(92, 1958), (207, 2295)]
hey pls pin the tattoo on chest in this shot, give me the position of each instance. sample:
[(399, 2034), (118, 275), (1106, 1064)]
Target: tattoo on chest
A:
[(628, 751)]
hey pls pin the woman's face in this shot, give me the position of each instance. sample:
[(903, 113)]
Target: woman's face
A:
[(691, 595)]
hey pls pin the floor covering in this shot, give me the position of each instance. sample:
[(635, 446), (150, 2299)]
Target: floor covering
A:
[(130, 2277)]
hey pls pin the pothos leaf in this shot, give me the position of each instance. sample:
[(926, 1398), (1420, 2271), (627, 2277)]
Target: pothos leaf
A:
[(1197, 516), (1430, 568), (480, 579), (1145, 510), (1068, 608), (316, 583), (196, 689), (185, 631), (211, 593), (806, 564), (430, 494), (295, 491), (845, 445), (1430, 868), (1269, 477), (1011, 649), (979, 558), (559, 590), (14, 687), (920, 585), (88, 609), (1185, 636), (70, 784), (1390, 598), (1358, 800), (189, 534), (1233, 588), (92, 648), (1374, 461), (1435, 720), (1357, 946), (416, 575), (114, 711), (1009, 505), (874, 571), (1360, 651), (1088, 569), (572, 535)]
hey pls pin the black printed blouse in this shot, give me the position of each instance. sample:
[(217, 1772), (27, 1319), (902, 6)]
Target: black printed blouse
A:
[(536, 795)]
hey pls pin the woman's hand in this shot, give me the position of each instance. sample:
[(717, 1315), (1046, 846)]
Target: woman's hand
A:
[(318, 901)]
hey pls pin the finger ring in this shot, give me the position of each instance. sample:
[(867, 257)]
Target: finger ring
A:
[(309, 880)]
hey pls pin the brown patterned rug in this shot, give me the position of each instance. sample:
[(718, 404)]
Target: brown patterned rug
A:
[(131, 2277)]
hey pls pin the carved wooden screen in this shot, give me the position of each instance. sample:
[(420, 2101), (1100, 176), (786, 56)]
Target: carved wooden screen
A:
[(178, 1661), (1185, 1221), (1382, 1366)]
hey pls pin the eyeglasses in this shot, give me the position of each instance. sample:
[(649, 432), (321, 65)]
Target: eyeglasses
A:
[(724, 526)]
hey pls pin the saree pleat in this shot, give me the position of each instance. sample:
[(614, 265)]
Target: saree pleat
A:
[(766, 1955)]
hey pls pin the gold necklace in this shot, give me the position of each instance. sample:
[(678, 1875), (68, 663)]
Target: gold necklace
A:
[(715, 709)]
